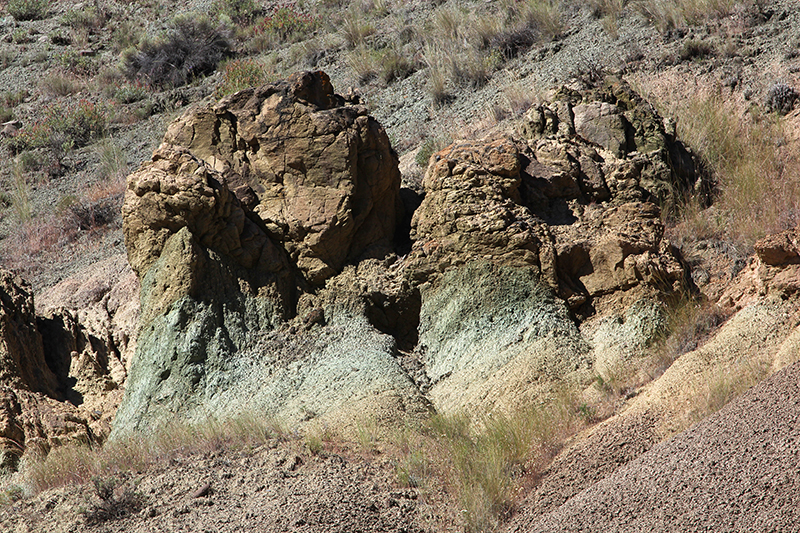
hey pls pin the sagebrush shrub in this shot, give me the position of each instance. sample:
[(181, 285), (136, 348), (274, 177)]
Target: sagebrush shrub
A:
[(781, 98), (28, 9), (193, 46)]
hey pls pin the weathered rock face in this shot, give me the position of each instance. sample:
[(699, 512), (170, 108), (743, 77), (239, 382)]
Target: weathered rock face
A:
[(321, 175), (252, 227), (32, 412), (316, 185), (570, 210), (22, 363), (575, 200), (495, 338), (620, 149), (473, 210)]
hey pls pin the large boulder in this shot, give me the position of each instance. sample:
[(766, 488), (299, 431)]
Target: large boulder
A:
[(320, 174)]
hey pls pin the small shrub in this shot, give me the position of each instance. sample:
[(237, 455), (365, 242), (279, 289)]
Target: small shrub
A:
[(6, 58), (286, 23), (131, 92), (365, 62), (14, 98), (78, 63), (59, 84), (126, 35), (239, 11), (239, 74), (89, 18), (113, 163), (428, 148), (30, 161), (695, 49), (780, 98), (193, 46), (117, 499), (63, 128), (28, 9)]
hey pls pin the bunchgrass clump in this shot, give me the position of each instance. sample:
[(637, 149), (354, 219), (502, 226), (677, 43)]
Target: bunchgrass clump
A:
[(28, 9), (483, 461), (116, 497), (239, 74), (63, 128)]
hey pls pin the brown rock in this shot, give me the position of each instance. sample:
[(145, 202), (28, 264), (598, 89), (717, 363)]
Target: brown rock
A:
[(22, 362), (601, 123), (325, 178), (780, 249), (473, 210), (31, 413)]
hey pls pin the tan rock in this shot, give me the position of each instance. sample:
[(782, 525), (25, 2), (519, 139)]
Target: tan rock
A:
[(472, 210), (32, 410), (322, 175)]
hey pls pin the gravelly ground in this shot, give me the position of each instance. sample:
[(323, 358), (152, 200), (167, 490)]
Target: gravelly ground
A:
[(738, 470)]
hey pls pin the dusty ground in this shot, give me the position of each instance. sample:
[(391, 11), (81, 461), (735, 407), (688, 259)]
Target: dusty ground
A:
[(279, 486), (738, 470)]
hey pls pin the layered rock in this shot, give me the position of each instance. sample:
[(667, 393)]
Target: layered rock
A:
[(252, 229)]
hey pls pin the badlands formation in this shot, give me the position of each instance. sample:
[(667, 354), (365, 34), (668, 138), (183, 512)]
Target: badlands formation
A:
[(276, 264)]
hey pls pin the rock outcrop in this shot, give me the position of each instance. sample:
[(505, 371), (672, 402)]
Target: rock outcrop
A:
[(33, 413), (262, 235), (321, 175), (245, 208)]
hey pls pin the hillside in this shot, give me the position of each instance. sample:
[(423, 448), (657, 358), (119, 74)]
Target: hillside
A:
[(399, 266)]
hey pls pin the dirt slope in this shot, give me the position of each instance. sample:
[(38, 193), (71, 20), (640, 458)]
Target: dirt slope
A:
[(738, 470), (276, 487)]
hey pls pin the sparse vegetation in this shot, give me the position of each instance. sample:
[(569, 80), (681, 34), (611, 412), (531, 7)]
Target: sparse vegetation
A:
[(191, 47), (60, 84), (485, 460), (241, 74), (285, 24), (80, 463), (63, 128), (28, 9), (117, 498), (666, 15), (756, 195), (728, 383), (781, 98)]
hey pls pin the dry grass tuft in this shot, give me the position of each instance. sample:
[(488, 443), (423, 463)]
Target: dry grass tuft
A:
[(73, 464), (485, 461), (669, 14), (752, 156)]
